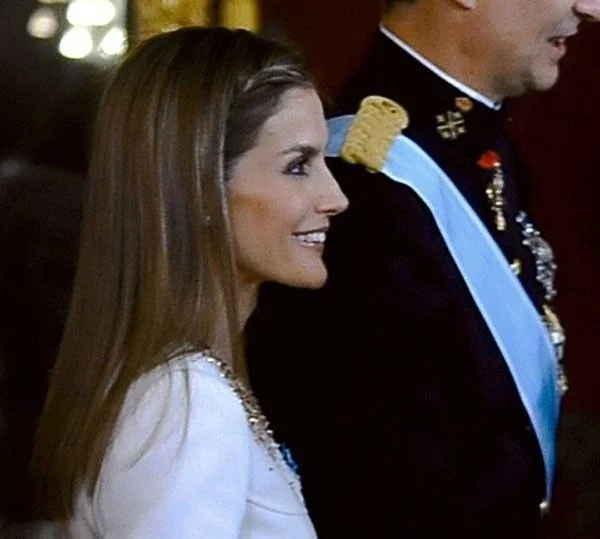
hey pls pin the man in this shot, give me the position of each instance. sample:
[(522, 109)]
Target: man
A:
[(419, 389)]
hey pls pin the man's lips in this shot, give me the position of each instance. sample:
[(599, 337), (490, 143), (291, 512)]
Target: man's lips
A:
[(559, 43), (559, 40)]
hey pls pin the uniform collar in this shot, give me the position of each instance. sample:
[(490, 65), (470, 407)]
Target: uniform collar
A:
[(441, 113), (463, 88)]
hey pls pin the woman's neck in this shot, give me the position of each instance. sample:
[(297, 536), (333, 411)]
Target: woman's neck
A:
[(247, 295), (246, 301)]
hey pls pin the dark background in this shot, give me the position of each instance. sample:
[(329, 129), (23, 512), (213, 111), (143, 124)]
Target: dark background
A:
[(46, 110)]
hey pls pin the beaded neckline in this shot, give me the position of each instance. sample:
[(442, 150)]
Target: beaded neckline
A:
[(258, 423)]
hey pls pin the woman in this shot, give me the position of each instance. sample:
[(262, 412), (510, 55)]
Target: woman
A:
[(207, 178)]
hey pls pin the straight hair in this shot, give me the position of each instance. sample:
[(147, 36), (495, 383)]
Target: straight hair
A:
[(157, 266)]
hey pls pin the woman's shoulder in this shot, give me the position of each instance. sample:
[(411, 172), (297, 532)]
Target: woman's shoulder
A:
[(180, 377), (182, 434), (175, 396), (200, 366)]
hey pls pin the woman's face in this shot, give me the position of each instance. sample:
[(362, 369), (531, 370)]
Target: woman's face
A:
[(282, 195)]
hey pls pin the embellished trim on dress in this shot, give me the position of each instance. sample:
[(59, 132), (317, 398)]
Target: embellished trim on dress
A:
[(258, 423)]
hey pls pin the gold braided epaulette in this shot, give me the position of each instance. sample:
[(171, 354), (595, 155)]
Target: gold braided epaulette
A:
[(377, 123)]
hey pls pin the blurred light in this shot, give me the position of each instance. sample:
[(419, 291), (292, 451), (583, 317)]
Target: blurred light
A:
[(11, 167), (114, 43), (42, 23), (76, 43), (91, 12)]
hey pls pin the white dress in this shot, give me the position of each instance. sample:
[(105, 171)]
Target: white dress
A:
[(201, 476)]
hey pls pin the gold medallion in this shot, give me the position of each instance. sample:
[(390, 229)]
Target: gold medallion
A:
[(464, 104)]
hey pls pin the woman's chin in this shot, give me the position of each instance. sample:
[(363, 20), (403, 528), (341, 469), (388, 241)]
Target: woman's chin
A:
[(309, 279)]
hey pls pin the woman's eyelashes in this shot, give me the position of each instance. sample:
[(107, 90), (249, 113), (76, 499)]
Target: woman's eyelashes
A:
[(298, 167)]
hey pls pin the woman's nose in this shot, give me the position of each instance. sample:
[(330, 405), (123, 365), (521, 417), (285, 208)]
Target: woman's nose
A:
[(332, 200)]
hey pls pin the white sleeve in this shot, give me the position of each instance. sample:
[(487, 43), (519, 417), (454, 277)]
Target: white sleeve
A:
[(187, 483)]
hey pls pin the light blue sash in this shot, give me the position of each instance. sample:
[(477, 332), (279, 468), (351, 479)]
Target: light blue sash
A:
[(511, 317)]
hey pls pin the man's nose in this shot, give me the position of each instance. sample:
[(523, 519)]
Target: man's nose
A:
[(588, 10)]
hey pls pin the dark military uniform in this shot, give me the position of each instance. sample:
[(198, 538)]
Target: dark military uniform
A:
[(387, 384)]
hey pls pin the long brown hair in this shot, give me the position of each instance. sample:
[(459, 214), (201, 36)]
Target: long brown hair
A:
[(156, 259)]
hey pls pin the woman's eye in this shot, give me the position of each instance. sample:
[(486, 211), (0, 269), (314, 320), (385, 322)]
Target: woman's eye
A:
[(298, 167)]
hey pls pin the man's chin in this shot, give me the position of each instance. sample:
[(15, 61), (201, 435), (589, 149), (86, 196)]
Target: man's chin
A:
[(546, 80)]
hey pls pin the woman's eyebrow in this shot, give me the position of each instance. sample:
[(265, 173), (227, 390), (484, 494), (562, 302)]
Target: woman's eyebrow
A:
[(304, 149)]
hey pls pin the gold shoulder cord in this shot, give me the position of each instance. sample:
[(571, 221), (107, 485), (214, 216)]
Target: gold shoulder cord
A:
[(377, 123)]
